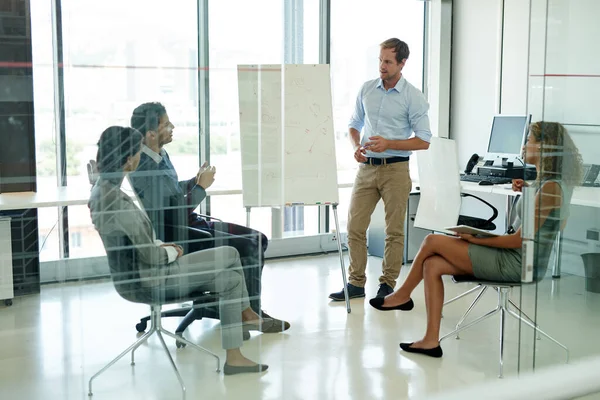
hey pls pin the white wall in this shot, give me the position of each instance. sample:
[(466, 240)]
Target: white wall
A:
[(437, 83), (514, 57), (475, 74), (489, 68), (475, 87)]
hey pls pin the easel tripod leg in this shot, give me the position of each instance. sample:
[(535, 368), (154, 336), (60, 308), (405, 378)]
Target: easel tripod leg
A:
[(339, 245)]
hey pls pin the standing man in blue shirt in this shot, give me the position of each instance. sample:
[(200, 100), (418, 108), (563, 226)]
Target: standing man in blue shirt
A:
[(388, 110)]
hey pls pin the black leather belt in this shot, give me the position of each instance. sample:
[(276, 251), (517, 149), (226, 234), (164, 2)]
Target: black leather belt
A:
[(384, 161)]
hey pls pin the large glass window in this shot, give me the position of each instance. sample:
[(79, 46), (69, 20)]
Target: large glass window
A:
[(250, 35), (148, 52), (45, 133), (269, 34), (357, 29)]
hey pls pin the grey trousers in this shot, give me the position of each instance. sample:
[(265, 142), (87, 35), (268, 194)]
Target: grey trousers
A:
[(218, 270)]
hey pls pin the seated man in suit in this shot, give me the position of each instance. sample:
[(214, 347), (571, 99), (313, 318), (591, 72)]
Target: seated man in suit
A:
[(170, 205)]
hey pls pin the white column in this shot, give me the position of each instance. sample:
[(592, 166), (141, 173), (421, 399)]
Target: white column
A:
[(438, 63)]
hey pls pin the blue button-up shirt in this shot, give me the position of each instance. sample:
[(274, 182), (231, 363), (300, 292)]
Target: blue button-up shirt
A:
[(392, 114)]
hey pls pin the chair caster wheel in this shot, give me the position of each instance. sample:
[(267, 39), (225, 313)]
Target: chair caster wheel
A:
[(8, 302), (180, 345), (141, 326)]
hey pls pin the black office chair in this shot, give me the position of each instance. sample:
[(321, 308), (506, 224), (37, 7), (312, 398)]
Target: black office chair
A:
[(190, 313), (122, 259), (476, 222), (479, 223), (442, 189)]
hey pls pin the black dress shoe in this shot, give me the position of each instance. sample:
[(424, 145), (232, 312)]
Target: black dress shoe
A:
[(377, 303), (436, 352), (231, 370), (353, 293), (384, 290)]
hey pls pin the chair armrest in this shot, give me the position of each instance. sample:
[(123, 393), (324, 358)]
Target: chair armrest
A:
[(494, 209)]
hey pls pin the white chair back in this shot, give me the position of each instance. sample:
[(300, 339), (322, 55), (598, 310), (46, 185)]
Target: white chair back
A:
[(439, 180)]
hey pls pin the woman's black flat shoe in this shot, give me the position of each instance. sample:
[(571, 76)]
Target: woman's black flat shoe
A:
[(377, 303), (232, 370), (436, 352)]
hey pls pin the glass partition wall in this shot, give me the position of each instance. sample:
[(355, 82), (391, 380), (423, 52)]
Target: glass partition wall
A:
[(561, 271), (82, 66)]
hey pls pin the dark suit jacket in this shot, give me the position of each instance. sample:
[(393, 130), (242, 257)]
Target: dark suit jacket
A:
[(168, 201)]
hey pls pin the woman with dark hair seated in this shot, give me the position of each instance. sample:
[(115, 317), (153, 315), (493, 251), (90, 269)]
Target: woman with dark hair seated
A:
[(164, 264), (558, 164)]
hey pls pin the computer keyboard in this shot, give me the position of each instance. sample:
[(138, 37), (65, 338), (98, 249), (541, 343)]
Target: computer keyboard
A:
[(496, 180)]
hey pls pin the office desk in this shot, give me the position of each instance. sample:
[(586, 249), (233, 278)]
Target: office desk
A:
[(62, 196), (45, 197), (582, 196), (48, 197)]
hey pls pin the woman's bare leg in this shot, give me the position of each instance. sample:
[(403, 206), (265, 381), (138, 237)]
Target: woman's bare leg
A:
[(448, 247), (249, 315), (415, 275), (433, 269), (234, 356)]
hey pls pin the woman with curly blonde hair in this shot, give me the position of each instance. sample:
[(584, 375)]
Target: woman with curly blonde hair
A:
[(560, 158), (558, 164)]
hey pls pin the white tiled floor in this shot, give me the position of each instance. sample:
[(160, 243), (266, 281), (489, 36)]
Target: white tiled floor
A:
[(50, 344)]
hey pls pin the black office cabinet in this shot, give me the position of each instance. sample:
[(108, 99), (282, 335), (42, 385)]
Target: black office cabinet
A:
[(17, 152), (17, 135), (25, 251)]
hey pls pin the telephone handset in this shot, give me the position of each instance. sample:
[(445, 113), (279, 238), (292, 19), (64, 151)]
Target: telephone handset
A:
[(475, 160)]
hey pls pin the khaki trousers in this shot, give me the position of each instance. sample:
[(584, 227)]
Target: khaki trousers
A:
[(392, 184)]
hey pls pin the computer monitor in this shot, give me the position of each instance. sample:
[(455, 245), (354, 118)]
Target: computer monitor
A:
[(508, 136)]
